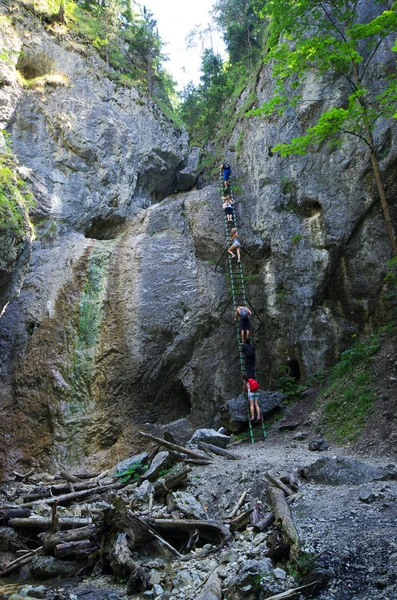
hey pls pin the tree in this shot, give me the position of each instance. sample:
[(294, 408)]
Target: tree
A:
[(242, 27), (328, 39)]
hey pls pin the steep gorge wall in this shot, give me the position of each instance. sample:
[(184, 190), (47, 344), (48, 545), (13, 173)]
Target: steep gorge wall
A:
[(322, 278), (117, 323)]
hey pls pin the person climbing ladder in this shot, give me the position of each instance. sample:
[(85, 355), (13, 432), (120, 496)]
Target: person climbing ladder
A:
[(252, 387), (225, 170), (236, 245), (244, 314)]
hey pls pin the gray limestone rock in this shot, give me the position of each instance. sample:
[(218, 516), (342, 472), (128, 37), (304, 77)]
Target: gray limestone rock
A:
[(340, 470), (189, 506), (318, 445), (124, 464), (209, 436), (47, 567), (142, 493), (247, 580), (163, 460), (235, 413)]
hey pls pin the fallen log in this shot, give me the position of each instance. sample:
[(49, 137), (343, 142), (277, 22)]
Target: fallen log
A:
[(219, 451), (172, 446), (291, 593), (213, 587), (50, 540), (121, 560), (283, 518), (78, 549), (23, 477), (240, 521), (66, 498), (57, 489), (44, 523), (20, 562), (14, 513), (239, 503), (198, 461), (156, 535), (277, 483), (171, 481), (208, 529), (268, 519)]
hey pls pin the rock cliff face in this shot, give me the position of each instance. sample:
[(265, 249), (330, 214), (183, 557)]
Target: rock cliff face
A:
[(320, 218), (117, 322)]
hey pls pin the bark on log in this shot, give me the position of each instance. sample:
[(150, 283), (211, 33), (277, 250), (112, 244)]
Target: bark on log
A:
[(14, 513), (50, 540), (171, 482), (268, 519), (213, 587), (240, 521), (58, 488), (219, 451), (20, 562), (78, 549), (156, 535), (283, 517), (121, 558), (44, 523), (291, 593), (237, 506), (66, 498), (172, 446), (23, 477), (277, 483), (199, 461)]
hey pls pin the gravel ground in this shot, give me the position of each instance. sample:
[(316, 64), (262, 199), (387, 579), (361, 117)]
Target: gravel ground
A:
[(358, 538)]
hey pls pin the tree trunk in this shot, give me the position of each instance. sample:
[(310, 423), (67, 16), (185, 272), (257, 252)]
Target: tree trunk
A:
[(283, 518)]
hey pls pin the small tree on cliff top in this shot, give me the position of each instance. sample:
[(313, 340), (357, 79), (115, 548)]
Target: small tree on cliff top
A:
[(325, 38)]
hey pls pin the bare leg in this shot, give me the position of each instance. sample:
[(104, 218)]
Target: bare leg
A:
[(252, 412), (238, 254), (242, 336), (258, 410), (231, 253)]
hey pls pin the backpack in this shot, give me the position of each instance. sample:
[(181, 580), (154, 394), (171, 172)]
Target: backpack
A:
[(244, 313), (254, 385), (226, 167)]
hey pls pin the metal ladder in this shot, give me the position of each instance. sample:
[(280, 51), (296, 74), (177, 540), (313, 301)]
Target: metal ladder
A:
[(239, 297)]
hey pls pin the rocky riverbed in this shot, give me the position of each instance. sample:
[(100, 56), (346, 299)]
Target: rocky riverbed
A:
[(345, 514)]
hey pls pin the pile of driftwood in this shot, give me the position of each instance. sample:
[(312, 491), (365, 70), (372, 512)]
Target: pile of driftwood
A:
[(101, 525)]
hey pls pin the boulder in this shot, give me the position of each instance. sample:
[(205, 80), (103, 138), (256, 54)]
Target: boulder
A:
[(162, 460), (48, 567), (189, 506), (247, 581), (209, 436), (124, 464), (234, 413), (142, 493), (337, 470), (318, 445)]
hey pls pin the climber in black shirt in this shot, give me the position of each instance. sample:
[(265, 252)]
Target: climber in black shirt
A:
[(248, 350)]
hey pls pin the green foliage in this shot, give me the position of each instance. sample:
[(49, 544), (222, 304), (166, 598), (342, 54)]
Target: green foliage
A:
[(310, 39), (288, 385), (346, 414), (133, 472), (296, 238), (14, 196), (125, 35), (349, 390), (360, 352)]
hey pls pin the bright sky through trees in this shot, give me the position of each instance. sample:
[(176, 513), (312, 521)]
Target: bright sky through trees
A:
[(176, 18)]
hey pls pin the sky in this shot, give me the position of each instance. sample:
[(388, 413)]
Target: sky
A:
[(175, 19)]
